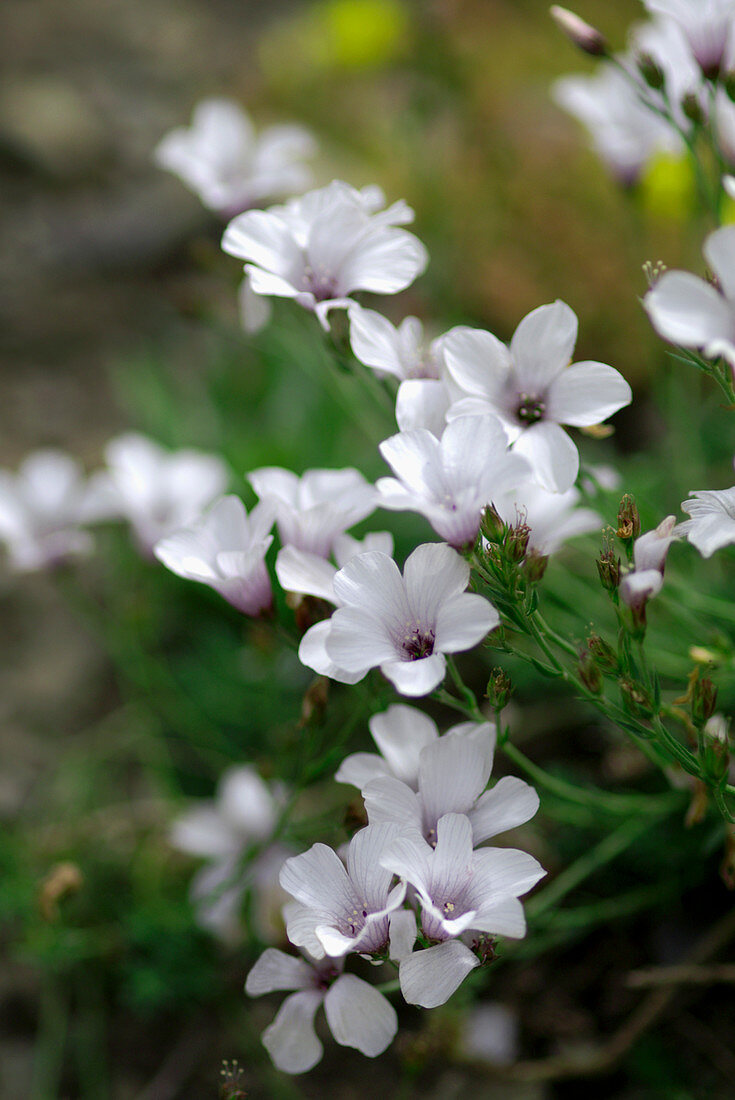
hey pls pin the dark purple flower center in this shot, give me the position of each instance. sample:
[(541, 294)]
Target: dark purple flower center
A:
[(418, 643), (321, 284), (530, 409)]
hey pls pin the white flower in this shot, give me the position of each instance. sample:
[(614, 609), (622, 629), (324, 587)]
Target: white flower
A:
[(321, 251), (313, 510), (533, 390), (405, 624), (342, 909), (712, 523), (450, 481), (552, 517), (490, 1033), (41, 508), (400, 733), (243, 812), (687, 310), (624, 132), (708, 26), (157, 491), (459, 890), (422, 403), (649, 557), (357, 1014), (230, 168), (401, 352), (452, 776), (226, 550)]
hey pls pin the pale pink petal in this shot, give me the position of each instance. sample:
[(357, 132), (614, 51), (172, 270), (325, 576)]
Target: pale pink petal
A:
[(276, 970), (389, 800), (360, 768), (359, 1016), (452, 774), (587, 393), (291, 1040), (400, 733), (430, 977)]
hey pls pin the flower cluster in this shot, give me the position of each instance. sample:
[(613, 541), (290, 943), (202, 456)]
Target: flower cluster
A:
[(416, 886)]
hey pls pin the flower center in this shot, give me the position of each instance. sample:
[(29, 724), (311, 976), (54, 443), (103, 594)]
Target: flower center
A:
[(320, 282), (418, 643), (530, 408)]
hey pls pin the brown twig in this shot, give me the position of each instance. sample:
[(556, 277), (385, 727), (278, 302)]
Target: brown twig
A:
[(587, 1063), (680, 975)]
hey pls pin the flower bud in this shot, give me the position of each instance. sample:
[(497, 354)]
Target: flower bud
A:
[(581, 34), (603, 653), (692, 109), (515, 543), (651, 71), (499, 689), (703, 701), (715, 753), (492, 525), (608, 566), (629, 521), (637, 698), (534, 566), (589, 673), (485, 947)]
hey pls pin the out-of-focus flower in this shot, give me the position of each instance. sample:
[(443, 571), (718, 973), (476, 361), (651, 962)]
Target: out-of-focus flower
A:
[(450, 481), (687, 310), (220, 830), (41, 509), (230, 167), (708, 26), (624, 132), (312, 511), (405, 624), (578, 31), (400, 733), (646, 579), (400, 351), (490, 1034), (156, 491), (308, 574), (226, 550), (357, 1014), (321, 248), (533, 390), (343, 909), (452, 776), (459, 890), (422, 403), (712, 523), (552, 518)]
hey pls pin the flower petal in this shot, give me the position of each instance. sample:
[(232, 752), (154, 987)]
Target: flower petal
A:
[(291, 1040), (276, 970), (510, 803), (477, 361), (719, 251), (429, 978), (400, 733), (452, 773), (464, 621), (586, 393), (553, 456), (415, 678), (359, 1016), (686, 310), (542, 345)]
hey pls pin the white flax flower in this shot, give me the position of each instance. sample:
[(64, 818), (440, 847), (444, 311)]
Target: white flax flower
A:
[(357, 1014), (400, 351), (324, 249), (451, 480), (156, 490), (230, 167), (712, 522), (225, 550), (690, 311), (708, 26), (41, 509), (459, 890), (533, 390), (404, 624)]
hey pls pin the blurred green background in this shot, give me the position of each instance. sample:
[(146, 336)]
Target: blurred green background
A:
[(118, 310)]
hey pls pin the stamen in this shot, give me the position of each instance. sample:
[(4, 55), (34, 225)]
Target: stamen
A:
[(530, 408)]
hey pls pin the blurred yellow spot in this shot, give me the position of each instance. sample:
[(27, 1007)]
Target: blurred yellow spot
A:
[(728, 211), (705, 656), (63, 879), (667, 188), (334, 36)]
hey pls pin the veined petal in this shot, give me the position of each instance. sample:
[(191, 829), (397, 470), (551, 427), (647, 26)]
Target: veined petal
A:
[(586, 393), (357, 640), (313, 654), (360, 768), (452, 773), (372, 582), (430, 977), (452, 861), (291, 1040), (370, 879), (403, 933), (498, 871), (553, 456), (359, 1016), (464, 621), (400, 733), (477, 361), (276, 970), (433, 574), (318, 880), (300, 571), (389, 800), (415, 678), (510, 803), (542, 345), (686, 310), (502, 917)]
